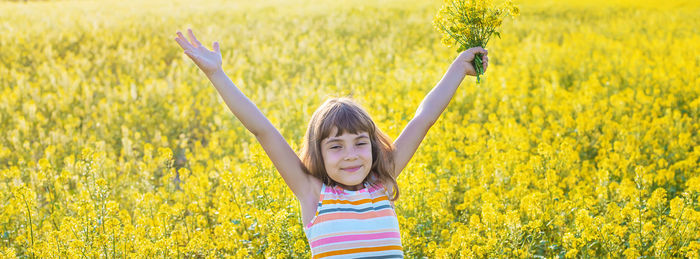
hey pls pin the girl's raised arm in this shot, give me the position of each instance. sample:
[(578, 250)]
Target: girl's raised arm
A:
[(276, 147), (433, 105)]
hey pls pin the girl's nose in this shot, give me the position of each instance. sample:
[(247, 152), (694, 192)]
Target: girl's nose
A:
[(351, 155)]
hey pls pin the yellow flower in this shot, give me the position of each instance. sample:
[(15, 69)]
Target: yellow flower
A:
[(648, 227), (471, 23), (571, 253), (657, 199), (631, 253), (677, 206)]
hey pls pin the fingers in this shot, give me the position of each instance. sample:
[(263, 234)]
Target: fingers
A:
[(476, 50), (193, 38), (471, 52), (183, 42), (481, 50), (484, 56)]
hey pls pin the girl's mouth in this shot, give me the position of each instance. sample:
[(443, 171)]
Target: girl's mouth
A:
[(352, 169)]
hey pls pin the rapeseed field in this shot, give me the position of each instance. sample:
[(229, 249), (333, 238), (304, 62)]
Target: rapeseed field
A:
[(580, 141)]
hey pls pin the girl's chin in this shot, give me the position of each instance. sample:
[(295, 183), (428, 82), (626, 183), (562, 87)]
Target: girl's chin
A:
[(352, 185), (352, 181)]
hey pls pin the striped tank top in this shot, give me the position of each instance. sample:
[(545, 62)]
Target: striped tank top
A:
[(354, 224)]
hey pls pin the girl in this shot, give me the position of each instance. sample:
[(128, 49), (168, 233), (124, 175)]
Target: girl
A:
[(345, 177)]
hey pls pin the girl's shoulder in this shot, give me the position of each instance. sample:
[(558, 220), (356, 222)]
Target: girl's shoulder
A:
[(378, 186)]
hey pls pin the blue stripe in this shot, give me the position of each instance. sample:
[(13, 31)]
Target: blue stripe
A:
[(332, 226), (381, 257), (353, 210)]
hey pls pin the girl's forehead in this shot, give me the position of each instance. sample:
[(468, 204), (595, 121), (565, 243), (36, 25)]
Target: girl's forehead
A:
[(334, 134)]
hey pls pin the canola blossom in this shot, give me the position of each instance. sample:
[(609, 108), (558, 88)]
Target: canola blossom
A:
[(470, 23), (583, 142)]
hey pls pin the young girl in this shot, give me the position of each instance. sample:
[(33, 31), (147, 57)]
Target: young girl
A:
[(345, 176)]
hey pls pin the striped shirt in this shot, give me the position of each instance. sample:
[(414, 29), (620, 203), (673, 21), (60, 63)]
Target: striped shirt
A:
[(354, 224)]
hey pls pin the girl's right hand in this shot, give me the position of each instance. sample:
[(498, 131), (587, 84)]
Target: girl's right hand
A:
[(208, 61)]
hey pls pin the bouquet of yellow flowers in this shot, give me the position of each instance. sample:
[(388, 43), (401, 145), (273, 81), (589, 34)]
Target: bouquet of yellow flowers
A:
[(470, 23)]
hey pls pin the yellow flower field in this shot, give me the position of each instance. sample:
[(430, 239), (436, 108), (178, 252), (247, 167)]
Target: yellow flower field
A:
[(581, 140)]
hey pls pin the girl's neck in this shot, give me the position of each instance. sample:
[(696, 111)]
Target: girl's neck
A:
[(352, 188)]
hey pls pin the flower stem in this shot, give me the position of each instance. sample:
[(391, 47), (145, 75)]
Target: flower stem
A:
[(478, 67), (31, 227)]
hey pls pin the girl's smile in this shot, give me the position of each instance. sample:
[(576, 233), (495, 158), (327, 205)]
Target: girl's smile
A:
[(352, 169)]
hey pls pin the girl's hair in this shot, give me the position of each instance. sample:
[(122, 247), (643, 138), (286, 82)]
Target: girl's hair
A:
[(347, 116)]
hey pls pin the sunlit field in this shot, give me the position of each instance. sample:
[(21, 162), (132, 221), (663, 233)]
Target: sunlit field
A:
[(580, 141)]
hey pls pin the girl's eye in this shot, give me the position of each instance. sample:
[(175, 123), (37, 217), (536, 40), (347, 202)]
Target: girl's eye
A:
[(335, 147), (362, 143)]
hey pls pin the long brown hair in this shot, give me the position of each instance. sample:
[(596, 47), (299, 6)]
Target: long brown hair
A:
[(347, 117)]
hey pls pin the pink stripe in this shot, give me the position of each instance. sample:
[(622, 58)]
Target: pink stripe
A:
[(356, 244), (340, 190), (346, 238), (374, 189)]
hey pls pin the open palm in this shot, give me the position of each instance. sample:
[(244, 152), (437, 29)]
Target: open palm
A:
[(208, 61)]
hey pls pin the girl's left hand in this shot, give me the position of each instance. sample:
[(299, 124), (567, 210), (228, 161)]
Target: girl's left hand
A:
[(464, 60)]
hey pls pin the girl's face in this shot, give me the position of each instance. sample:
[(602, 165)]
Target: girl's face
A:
[(347, 158)]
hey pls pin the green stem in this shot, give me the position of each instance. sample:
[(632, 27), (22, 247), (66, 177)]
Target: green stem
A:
[(114, 245), (458, 39), (478, 67), (31, 228), (675, 227)]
